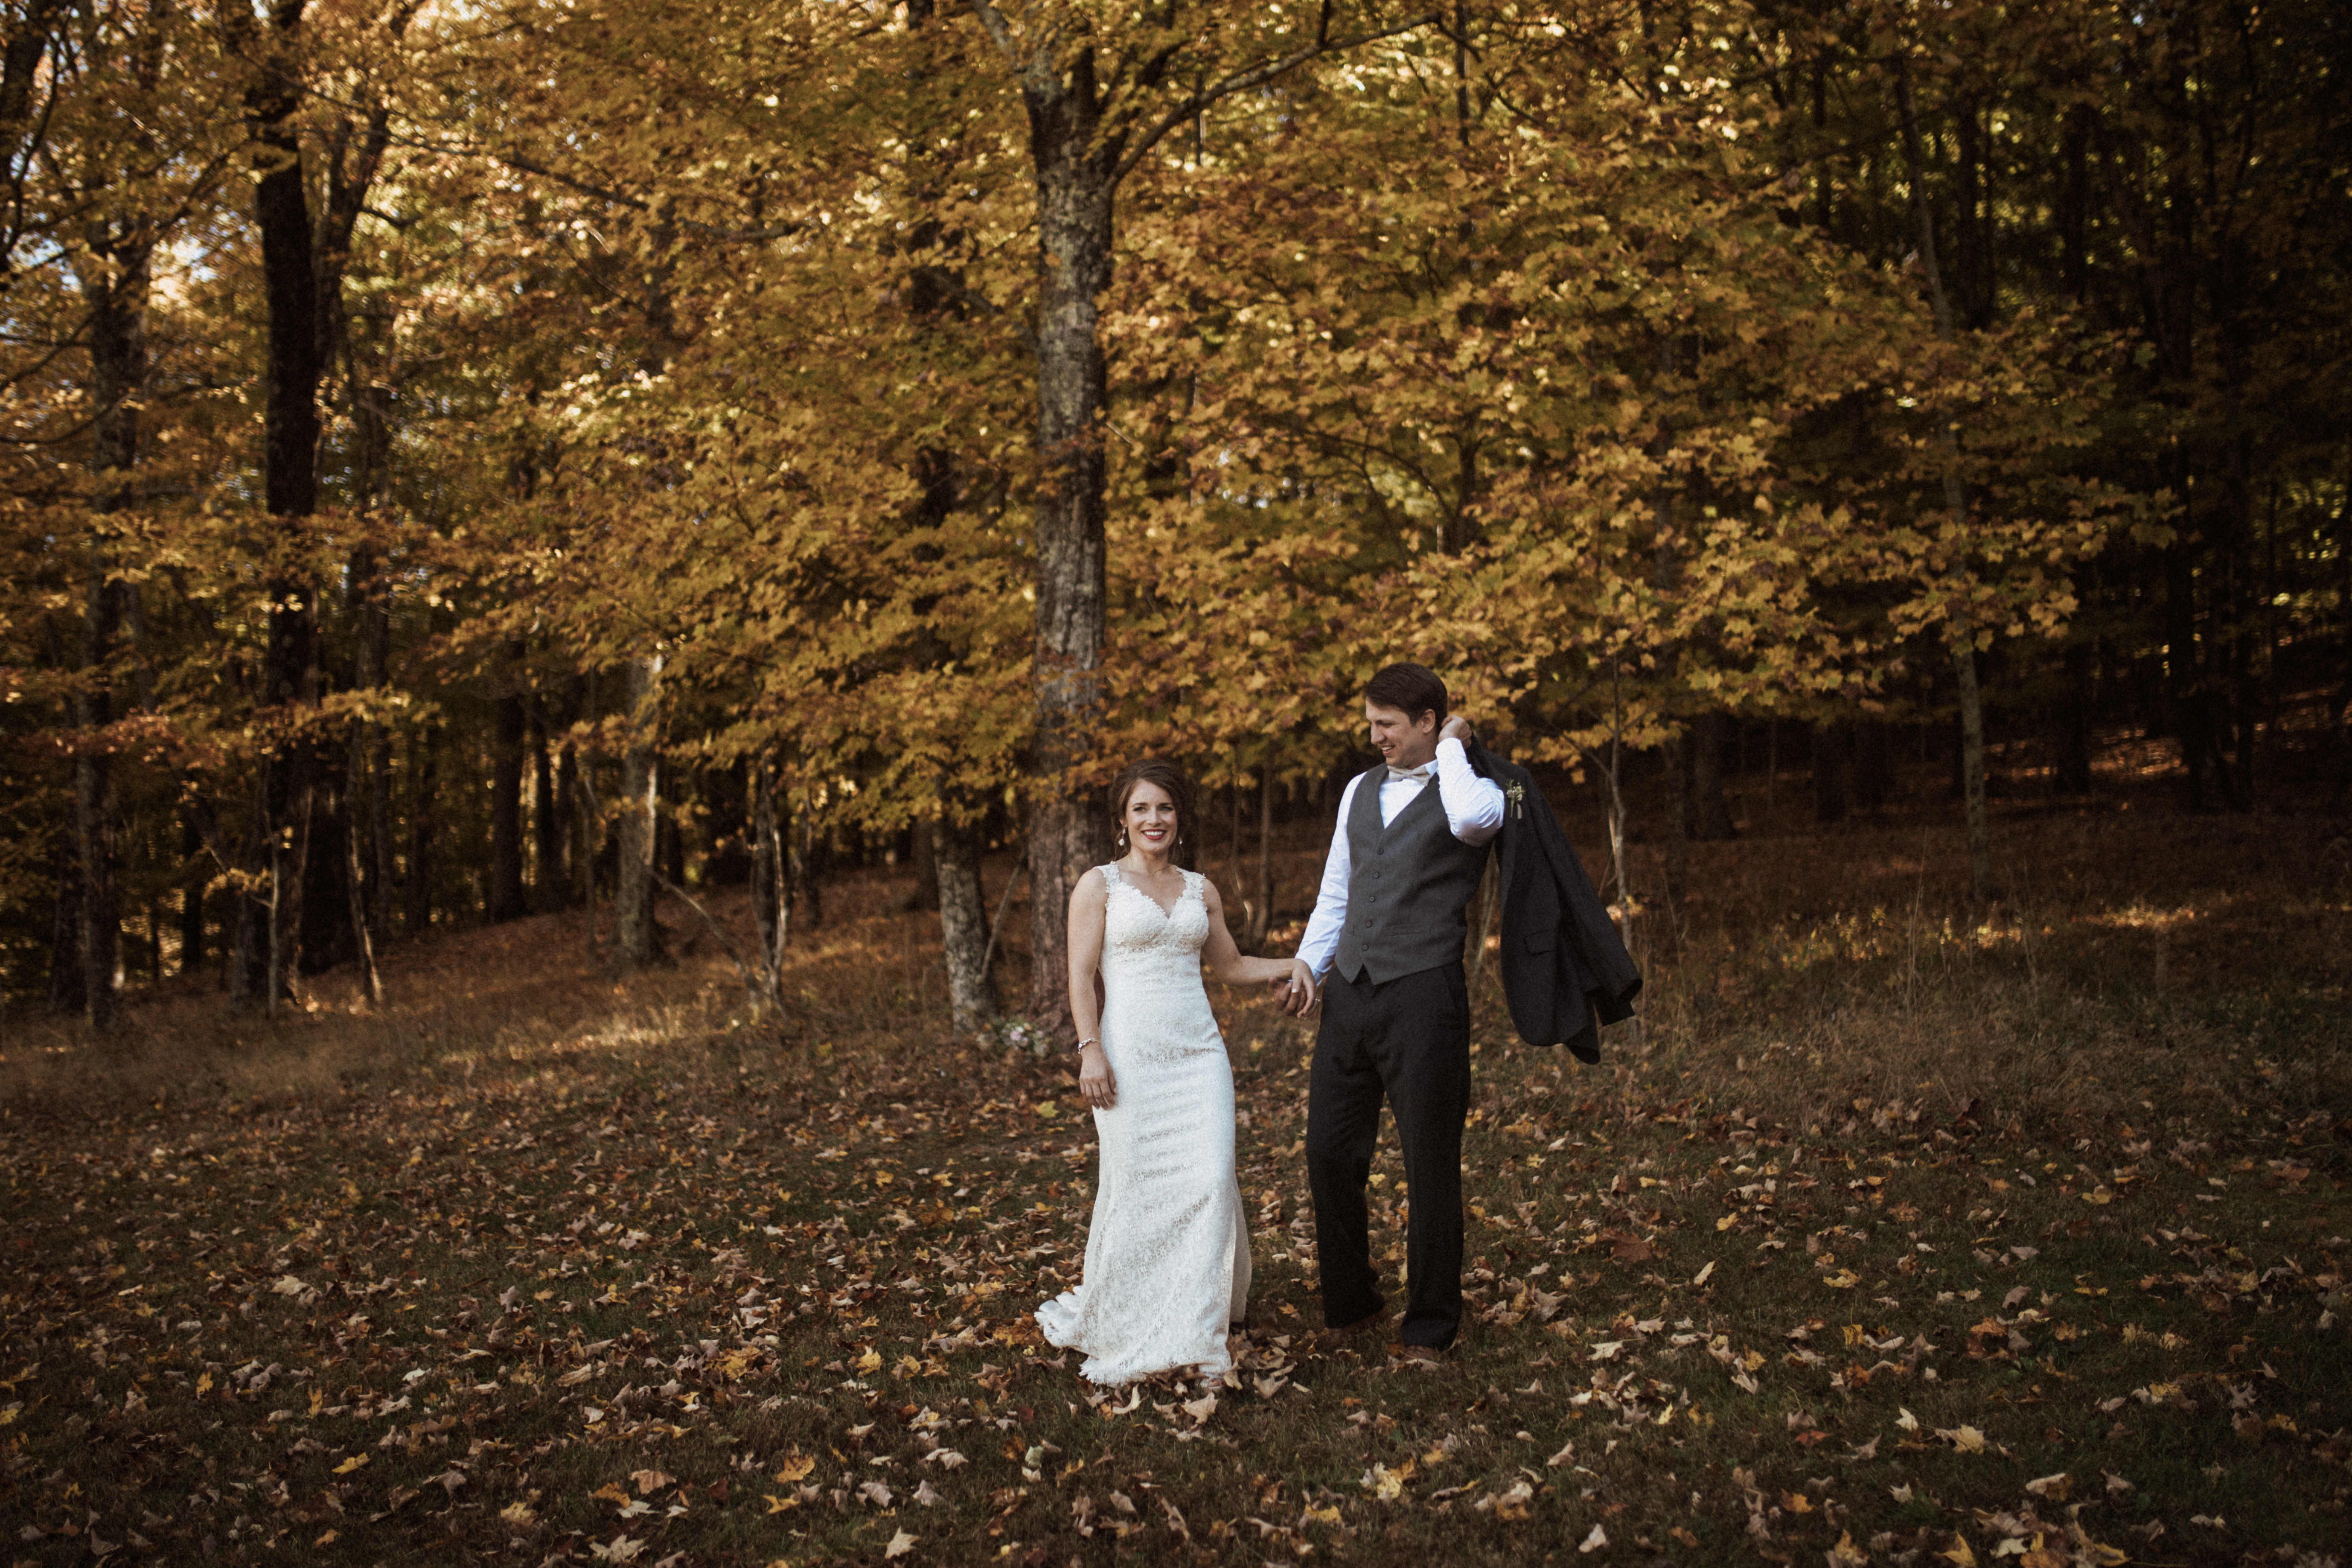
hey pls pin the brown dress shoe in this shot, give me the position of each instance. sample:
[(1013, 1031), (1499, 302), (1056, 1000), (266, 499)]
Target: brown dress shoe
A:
[(1365, 1324), (1429, 1353)]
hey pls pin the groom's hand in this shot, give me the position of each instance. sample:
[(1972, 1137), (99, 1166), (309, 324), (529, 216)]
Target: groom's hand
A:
[(1296, 990), (1457, 728)]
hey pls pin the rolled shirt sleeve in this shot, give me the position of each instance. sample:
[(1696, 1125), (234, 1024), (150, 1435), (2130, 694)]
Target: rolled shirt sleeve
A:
[(1474, 805)]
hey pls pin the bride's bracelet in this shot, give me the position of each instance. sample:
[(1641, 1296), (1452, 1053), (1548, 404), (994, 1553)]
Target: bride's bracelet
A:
[(1089, 1040)]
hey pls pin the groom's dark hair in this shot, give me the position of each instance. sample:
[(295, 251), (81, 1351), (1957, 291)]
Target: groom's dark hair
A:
[(1409, 689)]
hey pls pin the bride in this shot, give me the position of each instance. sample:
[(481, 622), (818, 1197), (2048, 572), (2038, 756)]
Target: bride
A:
[(1168, 1259)]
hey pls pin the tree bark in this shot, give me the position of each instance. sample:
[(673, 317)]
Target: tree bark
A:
[(771, 892), (506, 900), (922, 852), (290, 430), (362, 938), (289, 855), (1869, 773), (369, 793), (963, 923), (194, 879), (66, 972), (1711, 738), (553, 883), (369, 784), (423, 766), (98, 906), (1675, 762), (1261, 908), (361, 340), (579, 828), (116, 292), (1962, 639), (1075, 170), (1833, 759), (637, 937), (2070, 769), (806, 873)]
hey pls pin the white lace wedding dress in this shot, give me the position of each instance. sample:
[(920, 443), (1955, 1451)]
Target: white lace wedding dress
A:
[(1168, 1257)]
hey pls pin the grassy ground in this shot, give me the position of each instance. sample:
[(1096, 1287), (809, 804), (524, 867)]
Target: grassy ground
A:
[(1885, 1237)]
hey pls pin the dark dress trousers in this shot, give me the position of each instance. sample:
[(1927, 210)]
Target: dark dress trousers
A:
[(1396, 1026)]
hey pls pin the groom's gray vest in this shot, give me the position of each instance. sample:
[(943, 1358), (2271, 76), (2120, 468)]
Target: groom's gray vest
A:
[(1409, 884)]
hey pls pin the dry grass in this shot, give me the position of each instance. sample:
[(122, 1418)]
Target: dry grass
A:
[(1878, 1218)]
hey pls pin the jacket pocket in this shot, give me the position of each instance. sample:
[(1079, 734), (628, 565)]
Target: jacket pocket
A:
[(1542, 939)]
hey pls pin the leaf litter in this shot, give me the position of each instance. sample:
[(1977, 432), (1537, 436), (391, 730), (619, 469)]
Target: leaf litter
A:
[(656, 1309)]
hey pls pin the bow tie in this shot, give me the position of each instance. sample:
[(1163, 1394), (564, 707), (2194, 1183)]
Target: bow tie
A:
[(1408, 775)]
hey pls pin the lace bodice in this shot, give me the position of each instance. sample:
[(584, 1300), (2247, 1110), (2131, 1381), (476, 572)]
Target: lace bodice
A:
[(1152, 999), (1135, 926)]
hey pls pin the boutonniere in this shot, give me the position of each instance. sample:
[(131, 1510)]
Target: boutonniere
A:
[(1516, 794)]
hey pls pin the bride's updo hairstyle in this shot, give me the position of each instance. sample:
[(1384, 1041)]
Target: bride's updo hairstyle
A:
[(1169, 777)]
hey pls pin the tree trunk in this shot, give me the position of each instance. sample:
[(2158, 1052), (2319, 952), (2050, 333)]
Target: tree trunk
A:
[(362, 938), (1617, 870), (506, 900), (963, 923), (290, 857), (922, 854), (1711, 738), (2071, 770), (1261, 908), (369, 777), (669, 832), (1962, 638), (579, 828), (1972, 775), (771, 896), (371, 787), (66, 972), (636, 936), (552, 881), (1870, 771), (289, 475), (1833, 759), (1074, 173), (116, 292), (194, 876), (1675, 758), (806, 872), (422, 764), (249, 952), (367, 794), (99, 903), (326, 929)]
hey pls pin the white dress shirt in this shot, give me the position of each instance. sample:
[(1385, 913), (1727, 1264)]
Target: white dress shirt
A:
[(1474, 810)]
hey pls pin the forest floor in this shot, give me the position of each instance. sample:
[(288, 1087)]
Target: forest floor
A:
[(1885, 1237)]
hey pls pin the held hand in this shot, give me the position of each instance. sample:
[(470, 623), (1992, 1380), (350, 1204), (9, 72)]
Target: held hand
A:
[(1457, 728), (1095, 1081), (1298, 990)]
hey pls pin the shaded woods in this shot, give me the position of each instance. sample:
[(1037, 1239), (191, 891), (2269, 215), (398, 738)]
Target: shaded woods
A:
[(465, 464)]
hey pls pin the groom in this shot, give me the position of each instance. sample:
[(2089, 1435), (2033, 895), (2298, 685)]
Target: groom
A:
[(1405, 861)]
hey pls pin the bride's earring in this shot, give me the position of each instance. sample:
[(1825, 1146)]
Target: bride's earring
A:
[(1123, 840)]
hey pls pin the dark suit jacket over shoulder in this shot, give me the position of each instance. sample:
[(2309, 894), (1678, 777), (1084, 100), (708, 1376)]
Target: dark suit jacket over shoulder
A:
[(1565, 972)]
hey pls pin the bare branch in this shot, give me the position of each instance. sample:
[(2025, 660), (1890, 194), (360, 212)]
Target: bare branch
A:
[(992, 21), (1249, 76)]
